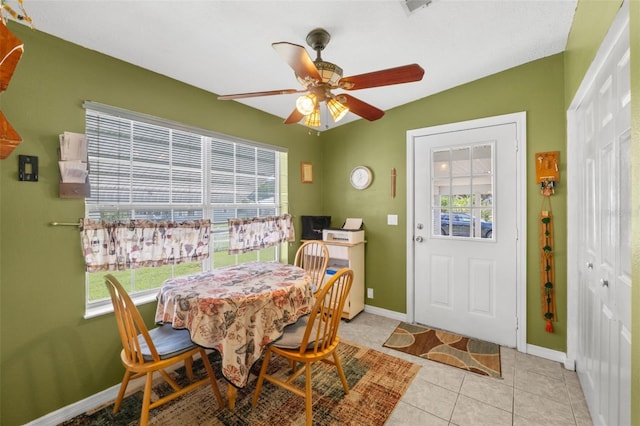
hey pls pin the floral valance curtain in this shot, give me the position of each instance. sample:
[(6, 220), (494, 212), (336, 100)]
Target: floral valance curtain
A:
[(260, 232), (109, 246)]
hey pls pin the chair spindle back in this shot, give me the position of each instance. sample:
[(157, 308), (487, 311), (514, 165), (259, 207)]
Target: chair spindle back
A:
[(313, 257), (326, 314), (130, 323)]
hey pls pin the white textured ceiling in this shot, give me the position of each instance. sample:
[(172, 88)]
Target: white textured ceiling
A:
[(225, 46)]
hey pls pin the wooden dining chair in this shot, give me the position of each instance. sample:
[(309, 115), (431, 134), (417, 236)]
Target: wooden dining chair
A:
[(147, 351), (311, 339), (313, 257)]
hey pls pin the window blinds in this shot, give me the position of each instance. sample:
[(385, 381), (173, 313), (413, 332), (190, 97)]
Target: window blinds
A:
[(157, 164)]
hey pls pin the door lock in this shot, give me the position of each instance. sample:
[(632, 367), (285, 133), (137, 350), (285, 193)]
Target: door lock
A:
[(605, 283), (589, 265)]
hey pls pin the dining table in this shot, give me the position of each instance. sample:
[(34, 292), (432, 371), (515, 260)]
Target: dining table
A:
[(237, 311)]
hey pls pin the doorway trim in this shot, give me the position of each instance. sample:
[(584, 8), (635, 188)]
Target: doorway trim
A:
[(573, 287), (520, 120)]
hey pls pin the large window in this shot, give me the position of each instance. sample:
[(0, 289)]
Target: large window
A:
[(142, 167)]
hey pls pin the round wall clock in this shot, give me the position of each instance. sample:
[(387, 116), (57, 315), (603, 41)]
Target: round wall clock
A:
[(361, 177)]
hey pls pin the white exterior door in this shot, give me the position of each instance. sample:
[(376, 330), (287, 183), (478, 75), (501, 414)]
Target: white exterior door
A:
[(600, 148), (465, 230)]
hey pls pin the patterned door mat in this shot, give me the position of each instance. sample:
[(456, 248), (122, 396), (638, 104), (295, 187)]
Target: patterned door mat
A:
[(469, 354)]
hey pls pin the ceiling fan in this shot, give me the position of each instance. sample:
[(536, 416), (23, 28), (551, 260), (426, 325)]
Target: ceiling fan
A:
[(319, 78)]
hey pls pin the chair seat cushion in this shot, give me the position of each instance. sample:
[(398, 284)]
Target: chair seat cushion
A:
[(294, 333), (169, 342)]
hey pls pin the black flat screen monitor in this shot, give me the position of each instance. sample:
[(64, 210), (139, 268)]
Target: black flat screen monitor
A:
[(312, 226)]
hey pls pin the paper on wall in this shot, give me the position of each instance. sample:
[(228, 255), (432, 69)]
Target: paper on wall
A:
[(352, 223), (73, 146), (73, 171)]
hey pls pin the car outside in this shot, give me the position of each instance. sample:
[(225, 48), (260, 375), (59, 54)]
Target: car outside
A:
[(461, 225)]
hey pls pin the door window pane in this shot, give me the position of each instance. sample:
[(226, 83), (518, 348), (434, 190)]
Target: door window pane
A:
[(460, 164), (462, 185)]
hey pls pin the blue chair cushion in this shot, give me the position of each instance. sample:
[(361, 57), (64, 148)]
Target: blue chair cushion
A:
[(168, 341)]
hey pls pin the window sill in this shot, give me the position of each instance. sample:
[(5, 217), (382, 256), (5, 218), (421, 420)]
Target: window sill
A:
[(96, 311)]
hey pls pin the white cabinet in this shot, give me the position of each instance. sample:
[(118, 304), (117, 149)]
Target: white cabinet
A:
[(346, 255)]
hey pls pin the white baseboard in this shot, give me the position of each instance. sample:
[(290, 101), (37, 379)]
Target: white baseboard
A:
[(385, 313), (104, 397), (77, 408), (552, 355)]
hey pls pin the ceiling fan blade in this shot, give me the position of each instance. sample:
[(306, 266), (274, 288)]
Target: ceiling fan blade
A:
[(298, 59), (256, 94), (295, 117), (398, 75), (360, 108)]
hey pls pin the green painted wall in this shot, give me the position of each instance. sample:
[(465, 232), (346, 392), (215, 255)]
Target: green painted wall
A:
[(591, 23), (51, 356), (536, 88)]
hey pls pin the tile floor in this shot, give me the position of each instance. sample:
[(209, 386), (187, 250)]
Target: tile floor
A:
[(533, 391)]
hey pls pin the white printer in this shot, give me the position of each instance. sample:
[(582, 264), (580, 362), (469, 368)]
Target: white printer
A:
[(350, 233)]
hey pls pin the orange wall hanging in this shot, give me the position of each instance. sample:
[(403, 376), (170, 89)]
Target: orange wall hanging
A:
[(11, 48), (9, 138)]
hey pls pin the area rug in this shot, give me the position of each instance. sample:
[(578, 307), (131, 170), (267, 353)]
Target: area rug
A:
[(377, 381), (448, 348)]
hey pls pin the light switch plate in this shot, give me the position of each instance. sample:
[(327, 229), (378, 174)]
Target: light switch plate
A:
[(27, 168), (392, 219)]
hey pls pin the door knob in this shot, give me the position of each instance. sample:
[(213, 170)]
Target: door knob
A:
[(419, 239), (604, 282)]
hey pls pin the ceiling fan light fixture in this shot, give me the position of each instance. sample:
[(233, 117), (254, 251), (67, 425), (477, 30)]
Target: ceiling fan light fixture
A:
[(306, 104), (337, 109), (330, 73), (313, 119)]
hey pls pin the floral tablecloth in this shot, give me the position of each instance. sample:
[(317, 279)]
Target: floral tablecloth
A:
[(236, 310)]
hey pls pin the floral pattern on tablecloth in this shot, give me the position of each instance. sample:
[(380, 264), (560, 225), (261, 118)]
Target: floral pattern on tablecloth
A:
[(236, 310)]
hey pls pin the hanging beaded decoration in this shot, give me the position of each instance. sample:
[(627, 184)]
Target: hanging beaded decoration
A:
[(547, 176), (547, 269)]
